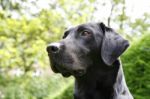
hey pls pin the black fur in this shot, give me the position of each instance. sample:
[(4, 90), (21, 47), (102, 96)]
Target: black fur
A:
[(90, 53)]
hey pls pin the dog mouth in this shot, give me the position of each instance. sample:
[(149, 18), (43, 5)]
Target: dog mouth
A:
[(57, 68), (65, 66), (66, 72)]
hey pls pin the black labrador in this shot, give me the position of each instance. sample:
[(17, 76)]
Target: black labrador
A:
[(90, 53)]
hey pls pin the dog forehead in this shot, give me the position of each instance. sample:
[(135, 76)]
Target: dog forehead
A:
[(86, 25)]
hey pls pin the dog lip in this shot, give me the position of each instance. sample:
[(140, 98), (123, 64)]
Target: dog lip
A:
[(67, 74)]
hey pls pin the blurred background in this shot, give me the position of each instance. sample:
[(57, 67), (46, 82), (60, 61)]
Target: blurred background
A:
[(27, 26)]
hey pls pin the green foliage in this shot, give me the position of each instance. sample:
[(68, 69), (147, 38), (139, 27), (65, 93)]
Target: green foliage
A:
[(20, 43), (136, 62), (27, 87), (67, 93)]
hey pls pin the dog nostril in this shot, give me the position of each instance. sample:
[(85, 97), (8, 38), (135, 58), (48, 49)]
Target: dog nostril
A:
[(54, 49)]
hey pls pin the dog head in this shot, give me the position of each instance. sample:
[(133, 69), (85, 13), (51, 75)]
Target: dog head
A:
[(82, 46)]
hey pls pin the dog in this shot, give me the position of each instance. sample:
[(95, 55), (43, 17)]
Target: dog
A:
[(90, 52)]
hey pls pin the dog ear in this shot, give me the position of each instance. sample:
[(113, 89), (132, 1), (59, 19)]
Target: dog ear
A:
[(113, 45)]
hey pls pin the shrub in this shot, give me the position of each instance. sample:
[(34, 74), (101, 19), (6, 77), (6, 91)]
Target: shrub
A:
[(136, 62)]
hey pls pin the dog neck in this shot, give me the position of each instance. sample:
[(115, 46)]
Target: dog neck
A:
[(98, 82)]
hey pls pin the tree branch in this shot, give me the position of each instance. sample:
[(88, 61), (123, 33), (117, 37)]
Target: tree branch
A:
[(109, 18)]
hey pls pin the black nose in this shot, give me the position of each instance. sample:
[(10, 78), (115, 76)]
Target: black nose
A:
[(53, 48)]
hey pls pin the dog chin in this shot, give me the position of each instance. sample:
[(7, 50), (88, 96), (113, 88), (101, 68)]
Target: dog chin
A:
[(60, 70), (65, 73), (54, 69)]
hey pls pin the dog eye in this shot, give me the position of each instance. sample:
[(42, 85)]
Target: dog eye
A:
[(85, 33)]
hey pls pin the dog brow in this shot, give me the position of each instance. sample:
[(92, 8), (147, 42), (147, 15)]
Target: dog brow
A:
[(81, 28)]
